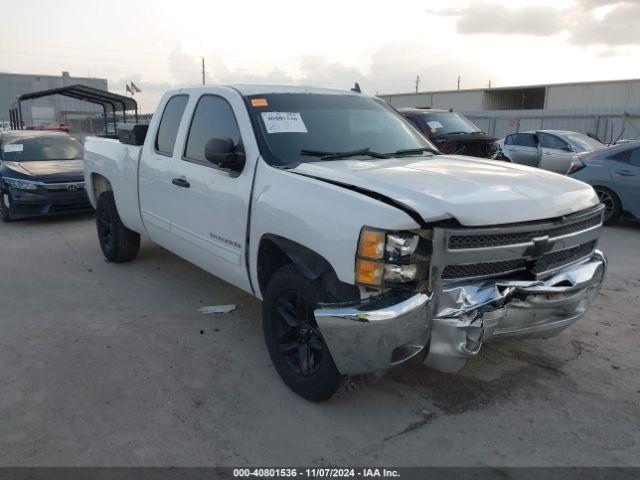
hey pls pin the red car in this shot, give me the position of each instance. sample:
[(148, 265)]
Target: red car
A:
[(61, 127), (451, 132)]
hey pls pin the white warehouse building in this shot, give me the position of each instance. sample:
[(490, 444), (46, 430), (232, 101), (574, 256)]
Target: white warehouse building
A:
[(609, 109)]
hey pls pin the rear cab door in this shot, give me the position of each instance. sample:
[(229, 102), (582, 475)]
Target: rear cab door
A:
[(156, 169), (556, 153), (521, 148), (625, 172)]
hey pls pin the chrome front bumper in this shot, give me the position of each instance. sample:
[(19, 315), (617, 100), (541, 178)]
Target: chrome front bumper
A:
[(456, 321), (375, 336)]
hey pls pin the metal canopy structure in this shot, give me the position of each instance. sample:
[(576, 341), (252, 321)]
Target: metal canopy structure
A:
[(79, 92)]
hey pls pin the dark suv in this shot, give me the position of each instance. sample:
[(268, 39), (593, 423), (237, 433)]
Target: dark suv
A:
[(451, 132)]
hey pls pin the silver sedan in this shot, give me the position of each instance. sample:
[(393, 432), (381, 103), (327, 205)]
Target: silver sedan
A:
[(553, 150), (614, 173)]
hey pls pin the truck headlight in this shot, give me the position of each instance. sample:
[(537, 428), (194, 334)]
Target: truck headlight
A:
[(388, 258), (21, 184), (402, 243)]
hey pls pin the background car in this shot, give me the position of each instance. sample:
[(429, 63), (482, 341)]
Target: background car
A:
[(51, 127), (552, 150), (614, 173), (451, 132), (41, 173)]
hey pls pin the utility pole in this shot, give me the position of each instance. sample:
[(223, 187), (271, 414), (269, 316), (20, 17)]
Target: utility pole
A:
[(458, 82), (203, 70), (417, 82), (489, 83)]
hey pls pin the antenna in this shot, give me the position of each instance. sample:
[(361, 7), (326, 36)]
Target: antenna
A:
[(619, 136)]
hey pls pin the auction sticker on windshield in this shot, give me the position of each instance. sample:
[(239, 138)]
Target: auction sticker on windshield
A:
[(434, 124), (13, 147), (283, 122)]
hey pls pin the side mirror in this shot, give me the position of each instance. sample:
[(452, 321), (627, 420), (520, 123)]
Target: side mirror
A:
[(222, 152), (568, 148)]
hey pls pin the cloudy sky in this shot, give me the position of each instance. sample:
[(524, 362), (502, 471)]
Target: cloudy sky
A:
[(382, 45)]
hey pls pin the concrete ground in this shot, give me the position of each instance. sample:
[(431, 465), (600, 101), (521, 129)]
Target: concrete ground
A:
[(105, 364)]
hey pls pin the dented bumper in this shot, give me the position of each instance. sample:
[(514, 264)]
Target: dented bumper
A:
[(456, 321), (465, 316)]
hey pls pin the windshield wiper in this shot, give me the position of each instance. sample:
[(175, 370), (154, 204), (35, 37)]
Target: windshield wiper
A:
[(341, 155), (410, 151), (454, 133)]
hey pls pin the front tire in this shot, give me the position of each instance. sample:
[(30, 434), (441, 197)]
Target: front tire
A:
[(295, 344), (118, 243), (5, 214), (612, 206)]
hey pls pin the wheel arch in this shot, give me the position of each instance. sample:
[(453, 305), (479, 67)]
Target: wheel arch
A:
[(99, 185), (608, 187), (275, 251)]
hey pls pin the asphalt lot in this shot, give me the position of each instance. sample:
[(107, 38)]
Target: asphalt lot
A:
[(105, 364)]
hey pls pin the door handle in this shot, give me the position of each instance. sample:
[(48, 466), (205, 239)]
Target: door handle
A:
[(181, 182), (624, 173)]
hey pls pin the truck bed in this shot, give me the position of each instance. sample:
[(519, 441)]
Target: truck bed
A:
[(109, 158)]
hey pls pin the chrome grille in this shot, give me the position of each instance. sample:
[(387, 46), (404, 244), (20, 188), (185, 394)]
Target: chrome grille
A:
[(484, 269), (562, 257), (514, 238), (525, 250), (543, 264)]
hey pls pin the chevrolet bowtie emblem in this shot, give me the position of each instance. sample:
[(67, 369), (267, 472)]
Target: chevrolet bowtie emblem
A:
[(541, 245)]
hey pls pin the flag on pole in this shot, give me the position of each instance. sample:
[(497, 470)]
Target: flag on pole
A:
[(134, 88)]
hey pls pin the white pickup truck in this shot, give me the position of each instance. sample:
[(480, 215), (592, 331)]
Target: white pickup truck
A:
[(367, 246)]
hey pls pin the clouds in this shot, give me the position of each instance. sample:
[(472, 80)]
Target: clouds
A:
[(504, 41), (479, 18), (609, 23), (390, 68), (618, 27)]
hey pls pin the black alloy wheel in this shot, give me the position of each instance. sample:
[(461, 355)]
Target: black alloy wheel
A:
[(118, 243), (298, 337), (103, 226), (296, 345)]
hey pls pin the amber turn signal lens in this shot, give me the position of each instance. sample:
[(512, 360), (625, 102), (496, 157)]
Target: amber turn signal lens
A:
[(371, 244), (369, 273)]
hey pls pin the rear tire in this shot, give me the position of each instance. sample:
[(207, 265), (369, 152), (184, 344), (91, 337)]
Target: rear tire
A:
[(118, 243), (612, 206), (295, 344), (5, 214)]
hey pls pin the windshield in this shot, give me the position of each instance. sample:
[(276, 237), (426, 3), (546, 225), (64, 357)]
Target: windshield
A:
[(294, 123), (583, 143), (448, 122), (25, 148)]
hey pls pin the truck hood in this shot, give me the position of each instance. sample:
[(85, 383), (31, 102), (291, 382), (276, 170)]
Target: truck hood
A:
[(475, 192), (46, 170)]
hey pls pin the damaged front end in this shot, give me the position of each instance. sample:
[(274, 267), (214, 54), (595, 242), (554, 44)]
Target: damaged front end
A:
[(465, 316), (523, 280)]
